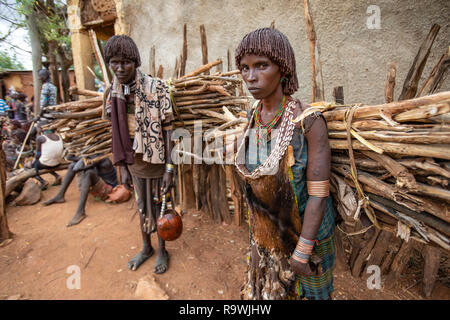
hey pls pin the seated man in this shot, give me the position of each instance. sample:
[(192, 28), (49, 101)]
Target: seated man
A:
[(98, 179), (49, 151)]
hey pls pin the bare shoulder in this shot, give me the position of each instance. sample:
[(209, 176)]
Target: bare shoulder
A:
[(301, 107)]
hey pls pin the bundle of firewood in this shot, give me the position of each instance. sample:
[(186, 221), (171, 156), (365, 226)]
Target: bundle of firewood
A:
[(392, 162), (81, 126), (216, 101), (212, 100)]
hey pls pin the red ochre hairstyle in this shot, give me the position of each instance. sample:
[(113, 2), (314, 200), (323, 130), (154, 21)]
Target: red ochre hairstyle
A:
[(276, 46)]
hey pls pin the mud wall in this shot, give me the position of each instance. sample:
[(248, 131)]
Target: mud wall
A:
[(353, 55)]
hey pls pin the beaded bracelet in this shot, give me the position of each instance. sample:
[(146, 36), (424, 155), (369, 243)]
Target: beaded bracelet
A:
[(169, 167), (303, 250)]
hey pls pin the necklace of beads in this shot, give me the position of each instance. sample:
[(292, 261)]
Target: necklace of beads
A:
[(272, 123)]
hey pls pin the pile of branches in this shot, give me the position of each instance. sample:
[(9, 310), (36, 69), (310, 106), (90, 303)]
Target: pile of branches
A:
[(216, 101), (81, 126), (392, 162)]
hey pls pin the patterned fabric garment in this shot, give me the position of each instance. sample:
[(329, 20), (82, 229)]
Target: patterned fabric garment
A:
[(3, 106), (312, 287), (153, 113), (48, 95)]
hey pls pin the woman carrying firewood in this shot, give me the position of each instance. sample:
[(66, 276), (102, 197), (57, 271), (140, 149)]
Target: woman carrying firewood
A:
[(286, 166), (141, 116)]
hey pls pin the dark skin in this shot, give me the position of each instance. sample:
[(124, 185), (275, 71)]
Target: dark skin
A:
[(125, 71), (263, 79), (89, 177)]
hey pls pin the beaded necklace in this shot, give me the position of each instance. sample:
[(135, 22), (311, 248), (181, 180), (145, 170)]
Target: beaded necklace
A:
[(271, 124)]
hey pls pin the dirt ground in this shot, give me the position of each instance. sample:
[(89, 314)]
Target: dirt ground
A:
[(207, 262)]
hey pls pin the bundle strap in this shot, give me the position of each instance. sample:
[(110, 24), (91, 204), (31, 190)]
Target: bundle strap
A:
[(361, 195)]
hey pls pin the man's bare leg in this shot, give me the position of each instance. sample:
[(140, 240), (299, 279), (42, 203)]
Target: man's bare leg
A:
[(89, 178), (162, 259), (68, 178), (146, 252)]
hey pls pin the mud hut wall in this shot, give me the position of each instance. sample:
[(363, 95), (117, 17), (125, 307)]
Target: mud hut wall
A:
[(353, 56)]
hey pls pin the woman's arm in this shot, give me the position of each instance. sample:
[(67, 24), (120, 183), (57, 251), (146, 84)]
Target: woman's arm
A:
[(317, 174)]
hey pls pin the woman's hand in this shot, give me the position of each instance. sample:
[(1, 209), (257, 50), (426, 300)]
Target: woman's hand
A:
[(305, 269), (167, 182)]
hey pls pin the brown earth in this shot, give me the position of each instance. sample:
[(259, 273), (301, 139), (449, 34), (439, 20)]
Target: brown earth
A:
[(207, 262)]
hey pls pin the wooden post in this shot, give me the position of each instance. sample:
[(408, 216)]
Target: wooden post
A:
[(152, 61), (183, 52), (338, 95), (437, 75), (229, 62), (204, 46), (379, 250), (160, 73), (390, 83), (340, 253), (432, 257), (363, 254), (176, 68), (314, 52), (398, 265), (99, 56), (412, 79), (5, 234), (217, 195), (237, 196), (187, 189)]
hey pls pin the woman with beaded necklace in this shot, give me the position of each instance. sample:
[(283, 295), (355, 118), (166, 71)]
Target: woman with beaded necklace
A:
[(286, 166)]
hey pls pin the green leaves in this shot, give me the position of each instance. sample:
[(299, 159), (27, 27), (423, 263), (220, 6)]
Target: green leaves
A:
[(8, 62)]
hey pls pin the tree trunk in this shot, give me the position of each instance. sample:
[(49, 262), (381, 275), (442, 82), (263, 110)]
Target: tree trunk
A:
[(36, 57), (65, 80), (53, 68)]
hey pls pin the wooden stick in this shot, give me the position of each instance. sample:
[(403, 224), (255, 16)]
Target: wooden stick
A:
[(412, 79), (23, 145), (85, 92), (393, 107), (415, 138), (204, 47), (202, 69), (183, 52), (99, 56), (314, 52), (160, 73), (390, 83), (152, 61), (435, 151), (78, 115), (404, 178), (422, 113)]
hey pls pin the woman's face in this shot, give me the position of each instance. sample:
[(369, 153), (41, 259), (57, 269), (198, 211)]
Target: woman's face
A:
[(261, 75), (123, 68)]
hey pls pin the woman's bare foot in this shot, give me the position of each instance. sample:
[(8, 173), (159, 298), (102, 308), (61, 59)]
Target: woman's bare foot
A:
[(139, 259), (162, 261)]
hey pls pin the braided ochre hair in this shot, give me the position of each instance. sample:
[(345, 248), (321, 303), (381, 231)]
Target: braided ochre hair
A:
[(122, 46), (276, 46)]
